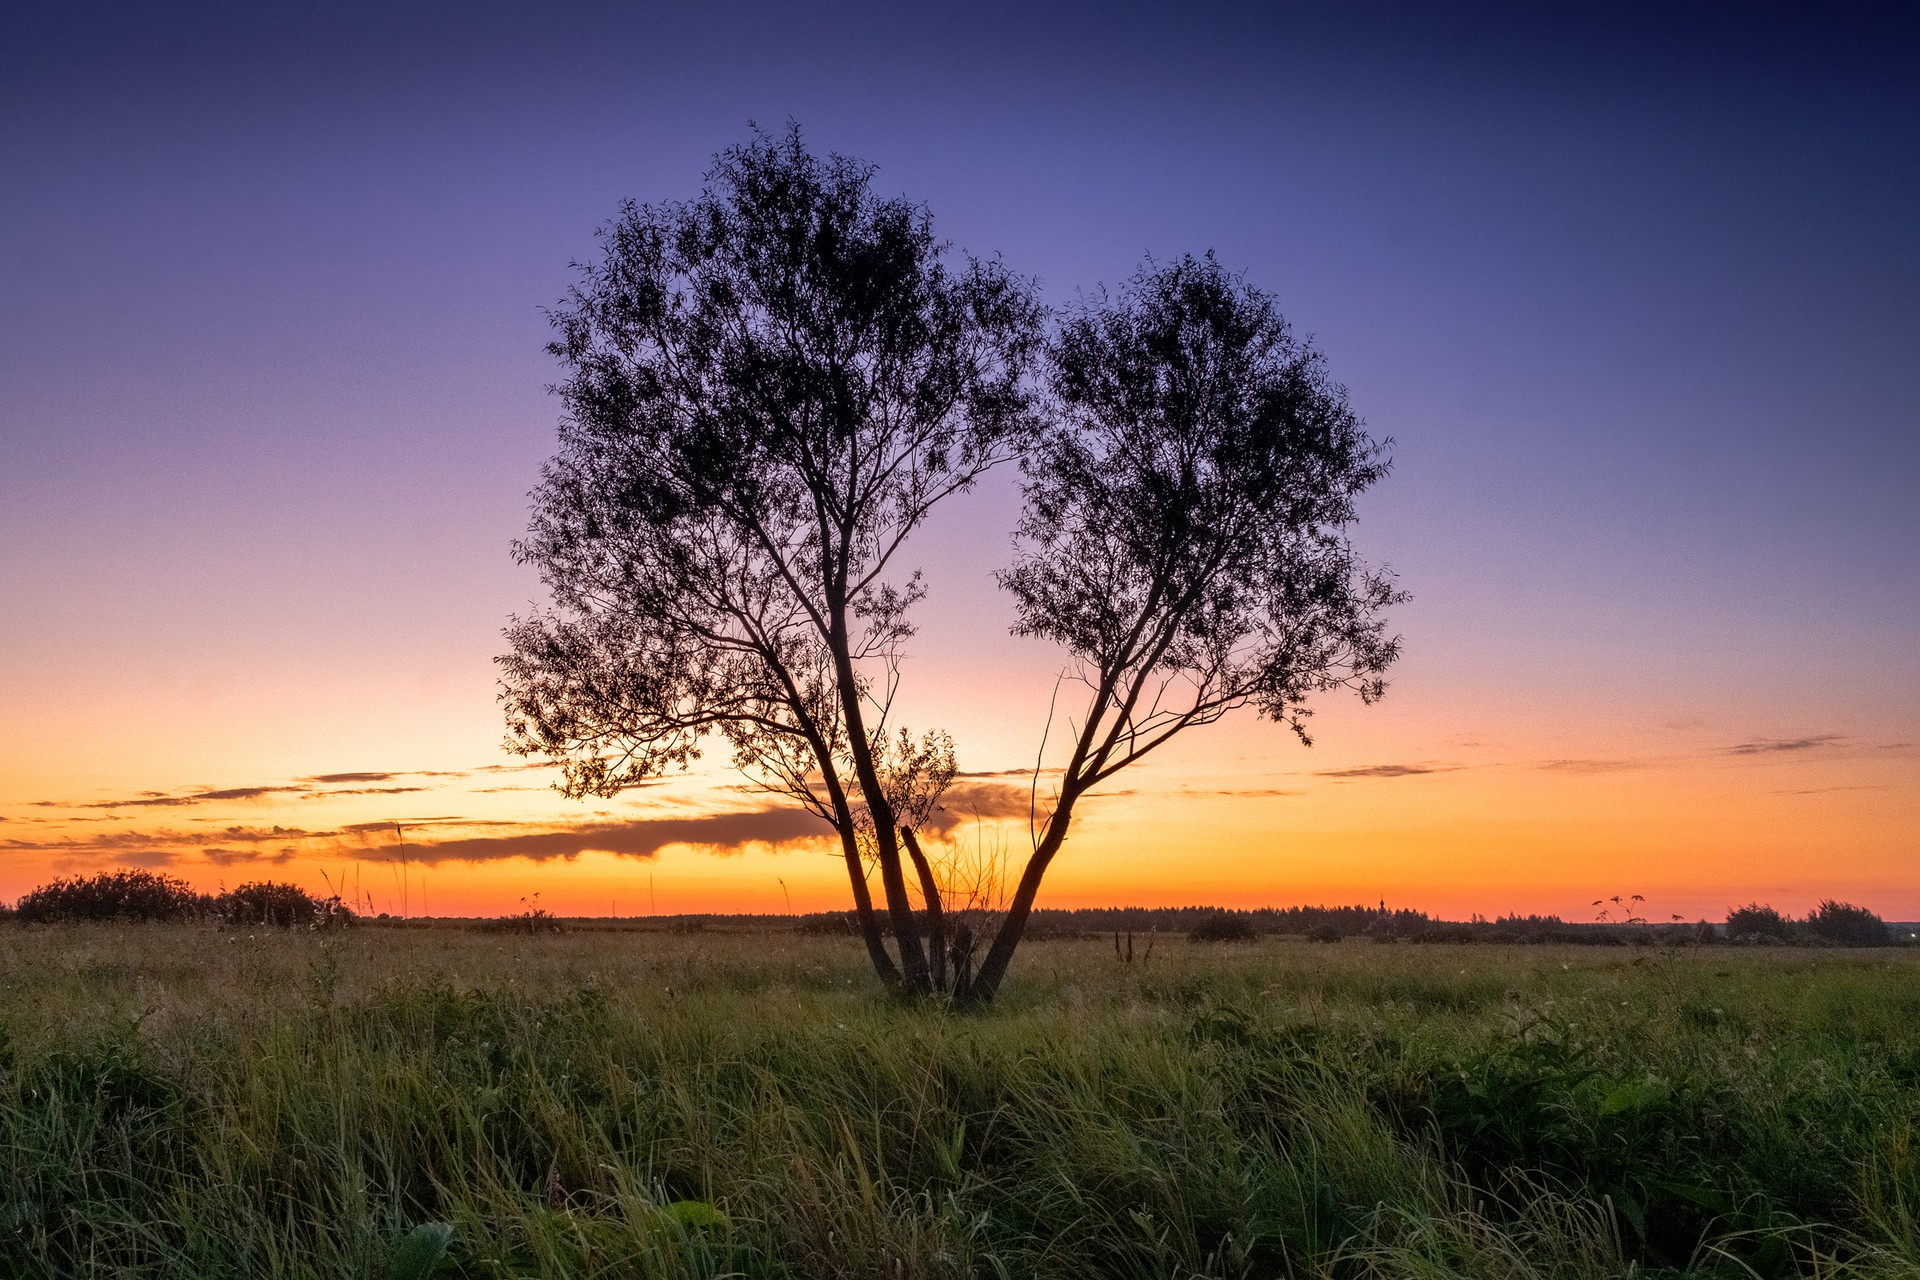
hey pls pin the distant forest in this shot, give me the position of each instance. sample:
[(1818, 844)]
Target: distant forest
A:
[(135, 895)]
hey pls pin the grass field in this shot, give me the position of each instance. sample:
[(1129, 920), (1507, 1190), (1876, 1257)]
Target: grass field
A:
[(185, 1102)]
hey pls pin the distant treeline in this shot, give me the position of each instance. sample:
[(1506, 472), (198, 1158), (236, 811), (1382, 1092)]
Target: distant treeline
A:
[(1831, 924), (132, 895)]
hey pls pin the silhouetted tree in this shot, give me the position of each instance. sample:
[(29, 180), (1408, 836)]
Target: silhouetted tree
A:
[(769, 387), (1184, 536), (1846, 925), (1757, 921), (128, 894), (269, 902)]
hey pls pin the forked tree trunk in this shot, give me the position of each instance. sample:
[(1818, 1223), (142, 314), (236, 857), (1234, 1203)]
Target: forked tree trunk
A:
[(993, 969), (906, 934), (883, 964), (936, 914)]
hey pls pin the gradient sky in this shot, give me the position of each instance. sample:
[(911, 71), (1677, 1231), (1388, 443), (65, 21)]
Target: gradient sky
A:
[(1634, 294)]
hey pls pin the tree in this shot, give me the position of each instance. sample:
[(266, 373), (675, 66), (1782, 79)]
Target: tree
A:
[(1757, 921), (125, 894), (769, 387), (1845, 925), (1184, 535)]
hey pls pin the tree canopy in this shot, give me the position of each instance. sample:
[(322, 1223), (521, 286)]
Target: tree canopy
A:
[(769, 387), (1185, 531)]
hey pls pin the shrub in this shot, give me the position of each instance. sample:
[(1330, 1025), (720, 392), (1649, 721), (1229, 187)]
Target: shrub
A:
[(1324, 933), (1753, 922), (266, 902), (1224, 926), (535, 919), (1845, 925), (111, 895)]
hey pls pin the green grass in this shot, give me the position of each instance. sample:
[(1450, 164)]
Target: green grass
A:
[(184, 1102)]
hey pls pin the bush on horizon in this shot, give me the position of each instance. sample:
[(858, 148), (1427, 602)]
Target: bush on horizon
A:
[(1224, 926), (285, 906), (125, 894), (1756, 922), (1845, 925)]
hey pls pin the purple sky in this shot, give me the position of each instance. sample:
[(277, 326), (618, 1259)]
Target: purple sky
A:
[(1634, 294)]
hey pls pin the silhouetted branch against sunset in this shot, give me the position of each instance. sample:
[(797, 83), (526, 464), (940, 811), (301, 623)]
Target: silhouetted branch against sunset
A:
[(768, 388), (1185, 531)]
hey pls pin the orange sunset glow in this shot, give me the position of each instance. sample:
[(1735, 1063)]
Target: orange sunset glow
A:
[(271, 427)]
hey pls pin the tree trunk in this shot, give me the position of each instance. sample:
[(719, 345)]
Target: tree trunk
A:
[(936, 915), (863, 912), (906, 934), (993, 969)]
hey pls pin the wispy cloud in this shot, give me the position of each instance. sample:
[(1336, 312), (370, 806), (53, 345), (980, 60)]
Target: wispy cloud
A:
[(114, 841), (1767, 746), (162, 800), (1588, 766), (220, 857), (1004, 773), (969, 798), (644, 838), (1386, 771)]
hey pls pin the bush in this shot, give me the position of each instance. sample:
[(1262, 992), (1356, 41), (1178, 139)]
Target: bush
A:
[(111, 895), (1754, 922), (266, 902), (1224, 926), (1324, 933), (1845, 925), (535, 919)]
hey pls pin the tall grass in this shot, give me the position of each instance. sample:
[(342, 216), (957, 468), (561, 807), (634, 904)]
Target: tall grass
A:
[(177, 1102)]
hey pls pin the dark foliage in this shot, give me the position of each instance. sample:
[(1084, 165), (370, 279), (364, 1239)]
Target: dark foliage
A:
[(534, 920), (1224, 926), (1844, 925), (1185, 530), (111, 895), (285, 906), (768, 389), (1756, 923)]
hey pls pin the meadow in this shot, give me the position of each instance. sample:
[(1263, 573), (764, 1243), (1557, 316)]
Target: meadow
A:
[(187, 1101)]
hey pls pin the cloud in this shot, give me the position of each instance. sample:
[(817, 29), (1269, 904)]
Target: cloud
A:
[(164, 800), (1004, 773), (112, 841), (362, 791), (637, 839), (333, 779), (966, 799), (1587, 766), (239, 857), (386, 824), (1386, 771), (1250, 792), (1767, 746), (1818, 791)]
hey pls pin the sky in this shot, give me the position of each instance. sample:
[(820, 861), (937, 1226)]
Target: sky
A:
[(1629, 287)]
